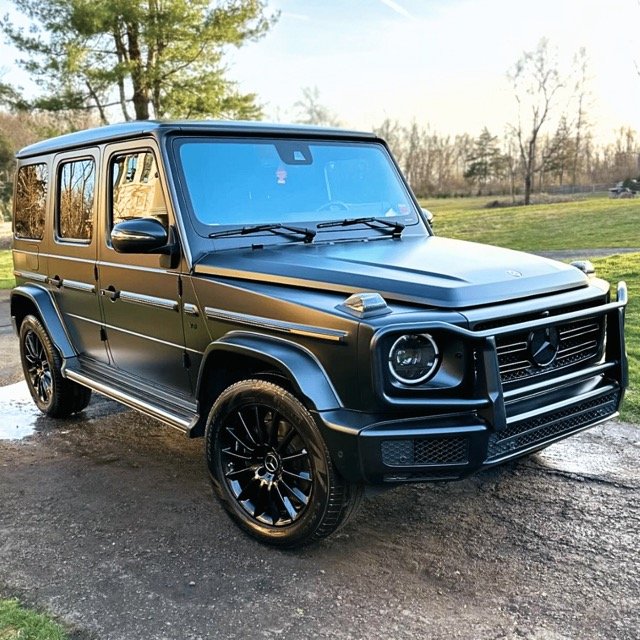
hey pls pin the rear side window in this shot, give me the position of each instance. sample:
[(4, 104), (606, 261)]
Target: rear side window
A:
[(31, 201), (137, 192), (76, 189)]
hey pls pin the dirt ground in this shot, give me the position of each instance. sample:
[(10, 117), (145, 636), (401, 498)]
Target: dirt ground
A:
[(107, 520)]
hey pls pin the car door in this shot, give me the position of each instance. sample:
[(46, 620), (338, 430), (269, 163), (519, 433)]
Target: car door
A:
[(140, 298), (72, 259)]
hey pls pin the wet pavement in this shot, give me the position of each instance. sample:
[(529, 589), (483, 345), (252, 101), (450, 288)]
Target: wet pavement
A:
[(19, 414)]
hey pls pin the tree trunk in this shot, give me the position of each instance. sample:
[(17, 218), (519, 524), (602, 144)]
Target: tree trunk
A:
[(140, 90), (121, 52), (527, 188)]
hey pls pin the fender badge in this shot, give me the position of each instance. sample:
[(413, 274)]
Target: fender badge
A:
[(514, 273)]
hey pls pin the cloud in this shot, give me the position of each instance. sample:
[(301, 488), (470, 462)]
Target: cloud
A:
[(394, 6)]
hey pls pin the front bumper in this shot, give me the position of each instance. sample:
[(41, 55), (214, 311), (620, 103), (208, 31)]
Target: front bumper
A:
[(502, 425)]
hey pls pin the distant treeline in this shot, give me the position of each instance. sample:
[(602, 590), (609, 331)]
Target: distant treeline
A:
[(436, 165), (442, 166)]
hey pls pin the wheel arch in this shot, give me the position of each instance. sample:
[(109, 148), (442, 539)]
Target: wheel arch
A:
[(32, 299), (239, 355)]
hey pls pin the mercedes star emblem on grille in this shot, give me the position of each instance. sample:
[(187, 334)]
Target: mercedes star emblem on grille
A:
[(543, 346)]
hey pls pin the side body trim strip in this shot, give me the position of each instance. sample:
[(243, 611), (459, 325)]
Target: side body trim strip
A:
[(149, 301), (38, 277), (292, 328), (78, 286)]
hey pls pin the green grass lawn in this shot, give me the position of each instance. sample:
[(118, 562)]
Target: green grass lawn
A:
[(587, 223), (7, 281), (627, 267), (17, 623)]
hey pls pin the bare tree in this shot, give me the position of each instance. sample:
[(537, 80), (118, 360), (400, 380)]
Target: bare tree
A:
[(582, 96), (536, 83), (312, 111)]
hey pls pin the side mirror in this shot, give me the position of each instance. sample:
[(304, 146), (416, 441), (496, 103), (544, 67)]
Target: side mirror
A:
[(139, 235), (428, 215)]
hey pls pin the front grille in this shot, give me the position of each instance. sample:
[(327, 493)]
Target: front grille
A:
[(525, 433), (425, 451), (580, 340)]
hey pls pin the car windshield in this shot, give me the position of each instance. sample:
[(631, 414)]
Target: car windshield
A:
[(252, 182)]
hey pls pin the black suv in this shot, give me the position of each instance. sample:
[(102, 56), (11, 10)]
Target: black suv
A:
[(279, 291)]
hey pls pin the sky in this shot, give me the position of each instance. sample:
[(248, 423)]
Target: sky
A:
[(440, 62)]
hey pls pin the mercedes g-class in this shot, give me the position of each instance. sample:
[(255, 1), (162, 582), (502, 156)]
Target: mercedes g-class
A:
[(279, 291)]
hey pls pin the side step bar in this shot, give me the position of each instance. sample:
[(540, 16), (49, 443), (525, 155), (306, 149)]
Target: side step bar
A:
[(177, 422)]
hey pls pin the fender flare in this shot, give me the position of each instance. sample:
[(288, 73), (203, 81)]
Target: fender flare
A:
[(300, 366), (49, 313)]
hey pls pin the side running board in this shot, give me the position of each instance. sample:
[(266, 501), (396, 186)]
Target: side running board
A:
[(184, 422)]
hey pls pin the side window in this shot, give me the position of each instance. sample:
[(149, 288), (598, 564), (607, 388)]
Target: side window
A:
[(31, 201), (136, 189), (76, 188)]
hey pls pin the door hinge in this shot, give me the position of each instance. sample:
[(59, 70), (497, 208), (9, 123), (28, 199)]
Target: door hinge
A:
[(186, 360), (179, 287), (103, 334), (95, 272)]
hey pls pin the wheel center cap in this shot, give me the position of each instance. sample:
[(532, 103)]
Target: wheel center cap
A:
[(271, 462)]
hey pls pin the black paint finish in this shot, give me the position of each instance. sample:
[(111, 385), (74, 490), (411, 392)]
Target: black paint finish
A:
[(167, 332)]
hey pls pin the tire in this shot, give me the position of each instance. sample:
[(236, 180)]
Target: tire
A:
[(53, 394), (271, 469)]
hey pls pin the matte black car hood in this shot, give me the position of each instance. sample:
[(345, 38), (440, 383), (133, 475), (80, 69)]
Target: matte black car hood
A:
[(429, 270)]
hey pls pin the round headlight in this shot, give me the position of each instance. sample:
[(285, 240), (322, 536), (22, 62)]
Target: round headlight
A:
[(413, 358)]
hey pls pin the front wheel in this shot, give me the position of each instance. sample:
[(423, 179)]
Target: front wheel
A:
[(271, 468)]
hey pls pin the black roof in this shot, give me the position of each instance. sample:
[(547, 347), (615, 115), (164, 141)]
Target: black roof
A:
[(126, 130)]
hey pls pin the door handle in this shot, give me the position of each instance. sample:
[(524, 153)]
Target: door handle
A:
[(56, 281), (111, 293)]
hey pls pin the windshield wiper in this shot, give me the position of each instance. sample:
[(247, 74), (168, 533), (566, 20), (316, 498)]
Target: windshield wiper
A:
[(374, 223), (277, 228)]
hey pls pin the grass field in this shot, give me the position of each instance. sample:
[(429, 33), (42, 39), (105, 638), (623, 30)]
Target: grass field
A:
[(7, 281), (17, 623), (587, 223), (627, 267)]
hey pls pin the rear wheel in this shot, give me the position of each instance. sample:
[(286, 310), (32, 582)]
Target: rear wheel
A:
[(41, 363), (271, 468)]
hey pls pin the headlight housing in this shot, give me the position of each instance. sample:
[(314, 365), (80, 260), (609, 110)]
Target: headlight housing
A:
[(414, 358)]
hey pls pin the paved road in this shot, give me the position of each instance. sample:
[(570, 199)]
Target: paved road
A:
[(586, 254), (10, 369)]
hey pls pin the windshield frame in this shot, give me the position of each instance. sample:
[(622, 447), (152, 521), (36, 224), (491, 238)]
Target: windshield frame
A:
[(414, 220)]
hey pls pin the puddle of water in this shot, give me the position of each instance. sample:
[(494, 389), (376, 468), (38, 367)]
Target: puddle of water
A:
[(18, 413)]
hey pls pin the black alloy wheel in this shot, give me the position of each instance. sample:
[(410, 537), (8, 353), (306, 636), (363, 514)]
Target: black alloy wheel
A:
[(270, 466), (42, 366), (266, 464), (38, 368)]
